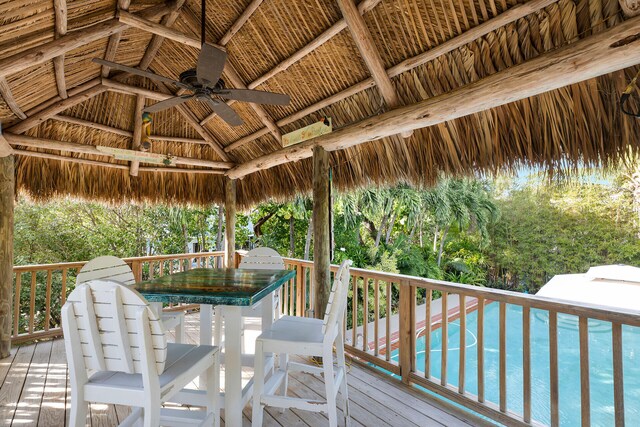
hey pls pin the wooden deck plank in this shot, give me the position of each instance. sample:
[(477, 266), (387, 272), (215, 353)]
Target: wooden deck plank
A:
[(13, 383), (28, 410), (52, 410)]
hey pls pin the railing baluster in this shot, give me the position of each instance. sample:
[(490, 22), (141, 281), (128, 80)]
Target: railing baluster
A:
[(63, 289), (32, 300), (526, 363), (427, 332), (47, 310), (292, 297), (553, 367), (354, 312), (387, 338), (585, 401), (300, 293), (376, 315), (444, 329), (463, 342), (618, 381), (16, 305), (480, 350), (365, 313), (503, 356)]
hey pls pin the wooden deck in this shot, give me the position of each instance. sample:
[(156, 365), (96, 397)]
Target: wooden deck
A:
[(34, 390)]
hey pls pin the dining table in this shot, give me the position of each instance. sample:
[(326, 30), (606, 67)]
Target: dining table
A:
[(235, 289)]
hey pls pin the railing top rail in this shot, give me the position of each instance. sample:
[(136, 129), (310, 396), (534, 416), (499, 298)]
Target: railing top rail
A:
[(623, 316), (77, 264)]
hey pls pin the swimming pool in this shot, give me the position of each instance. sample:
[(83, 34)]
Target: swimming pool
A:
[(600, 358)]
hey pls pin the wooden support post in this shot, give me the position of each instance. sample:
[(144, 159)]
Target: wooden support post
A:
[(321, 249), (230, 222), (7, 186)]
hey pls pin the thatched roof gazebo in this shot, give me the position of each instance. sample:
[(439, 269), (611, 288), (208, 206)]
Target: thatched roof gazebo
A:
[(413, 88)]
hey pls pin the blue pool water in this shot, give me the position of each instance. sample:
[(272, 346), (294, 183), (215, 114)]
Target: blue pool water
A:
[(600, 358)]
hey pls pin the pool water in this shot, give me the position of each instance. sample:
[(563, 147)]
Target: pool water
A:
[(600, 361)]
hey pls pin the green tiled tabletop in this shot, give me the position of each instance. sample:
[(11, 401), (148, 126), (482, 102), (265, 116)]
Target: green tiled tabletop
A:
[(215, 286)]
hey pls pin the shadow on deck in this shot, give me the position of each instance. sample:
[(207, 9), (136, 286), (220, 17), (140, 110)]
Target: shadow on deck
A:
[(34, 390)]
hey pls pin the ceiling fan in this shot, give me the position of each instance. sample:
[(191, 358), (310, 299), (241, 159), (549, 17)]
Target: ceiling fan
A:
[(205, 83)]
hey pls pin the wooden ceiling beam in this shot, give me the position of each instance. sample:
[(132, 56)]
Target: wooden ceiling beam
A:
[(47, 51), (242, 19), (60, 12), (367, 47), (114, 41), (136, 140), (156, 41), (511, 15), (56, 108), (328, 34), (5, 91), (630, 8), (611, 50), (50, 144), (5, 148), (230, 72)]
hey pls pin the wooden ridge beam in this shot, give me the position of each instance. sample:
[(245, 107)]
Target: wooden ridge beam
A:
[(5, 91), (606, 52), (60, 12), (367, 47), (40, 155), (56, 108), (231, 73), (114, 41), (50, 144), (328, 34), (136, 140), (47, 51), (511, 15)]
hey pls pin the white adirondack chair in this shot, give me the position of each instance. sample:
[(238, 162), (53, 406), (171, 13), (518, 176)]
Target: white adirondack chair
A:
[(113, 268), (306, 337), (257, 259), (117, 353)]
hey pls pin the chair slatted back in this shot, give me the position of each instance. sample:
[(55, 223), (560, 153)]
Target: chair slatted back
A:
[(106, 268), (337, 303), (262, 259), (106, 324)]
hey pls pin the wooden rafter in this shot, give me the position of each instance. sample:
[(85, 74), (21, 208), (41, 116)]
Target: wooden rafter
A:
[(50, 144), (511, 15), (5, 148), (611, 50), (47, 51), (231, 73), (125, 133), (328, 34), (114, 41), (242, 19), (156, 40), (56, 108), (367, 47), (5, 91), (60, 11), (630, 8), (136, 139)]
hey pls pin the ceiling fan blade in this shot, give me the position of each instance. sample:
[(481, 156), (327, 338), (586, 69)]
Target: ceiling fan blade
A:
[(210, 64), (167, 103), (255, 96), (142, 73), (225, 112)]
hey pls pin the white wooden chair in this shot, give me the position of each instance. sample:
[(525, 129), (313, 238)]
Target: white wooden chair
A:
[(257, 259), (306, 337), (117, 353), (115, 269)]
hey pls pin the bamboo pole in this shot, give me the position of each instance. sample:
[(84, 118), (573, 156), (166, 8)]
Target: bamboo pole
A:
[(7, 185), (321, 249), (611, 50), (230, 222)]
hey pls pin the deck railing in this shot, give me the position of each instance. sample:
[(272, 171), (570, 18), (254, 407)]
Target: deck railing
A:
[(387, 315), (41, 290)]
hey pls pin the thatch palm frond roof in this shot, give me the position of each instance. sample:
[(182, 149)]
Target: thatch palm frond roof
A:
[(307, 49)]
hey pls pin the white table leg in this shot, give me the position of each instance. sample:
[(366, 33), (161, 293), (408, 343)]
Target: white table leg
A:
[(233, 366), (205, 334)]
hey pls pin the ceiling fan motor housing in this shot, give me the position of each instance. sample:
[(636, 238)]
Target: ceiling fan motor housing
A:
[(190, 77)]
